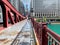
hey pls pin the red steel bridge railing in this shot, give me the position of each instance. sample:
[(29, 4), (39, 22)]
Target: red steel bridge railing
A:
[(10, 13), (44, 35)]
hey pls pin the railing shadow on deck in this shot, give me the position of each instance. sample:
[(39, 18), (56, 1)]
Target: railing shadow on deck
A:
[(44, 35)]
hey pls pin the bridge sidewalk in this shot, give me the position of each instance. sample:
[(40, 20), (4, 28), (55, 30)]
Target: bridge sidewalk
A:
[(26, 36), (7, 35)]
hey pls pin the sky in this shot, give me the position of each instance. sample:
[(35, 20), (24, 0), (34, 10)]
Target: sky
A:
[(26, 2)]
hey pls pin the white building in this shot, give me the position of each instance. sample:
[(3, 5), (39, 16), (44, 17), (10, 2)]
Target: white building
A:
[(47, 8)]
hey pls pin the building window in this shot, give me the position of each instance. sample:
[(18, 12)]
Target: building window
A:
[(37, 14), (48, 15), (0, 9), (0, 16), (0, 12), (52, 15), (43, 14)]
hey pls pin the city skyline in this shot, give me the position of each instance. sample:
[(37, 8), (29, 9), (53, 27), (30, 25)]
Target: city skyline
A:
[(26, 2)]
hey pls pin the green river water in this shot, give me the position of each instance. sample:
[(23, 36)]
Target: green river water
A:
[(55, 28)]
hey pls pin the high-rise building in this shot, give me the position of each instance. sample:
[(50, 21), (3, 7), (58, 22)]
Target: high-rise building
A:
[(22, 8), (47, 8), (18, 4)]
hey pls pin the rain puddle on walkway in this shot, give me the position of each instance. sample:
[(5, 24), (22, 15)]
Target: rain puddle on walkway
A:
[(26, 36)]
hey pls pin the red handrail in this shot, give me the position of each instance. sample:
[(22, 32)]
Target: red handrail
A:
[(44, 30)]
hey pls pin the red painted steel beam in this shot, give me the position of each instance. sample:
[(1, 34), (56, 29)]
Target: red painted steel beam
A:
[(11, 7), (6, 8), (20, 18), (5, 16), (11, 18), (6, 19), (17, 17)]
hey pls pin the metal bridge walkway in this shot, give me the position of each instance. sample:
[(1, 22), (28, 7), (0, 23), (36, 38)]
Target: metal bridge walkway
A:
[(26, 36)]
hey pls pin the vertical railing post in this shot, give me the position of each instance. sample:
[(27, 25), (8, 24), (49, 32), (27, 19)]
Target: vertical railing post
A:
[(53, 42), (10, 17), (5, 19), (20, 18), (5, 16), (15, 18), (44, 36), (50, 40)]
